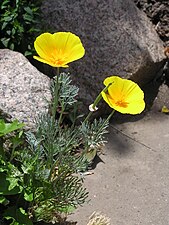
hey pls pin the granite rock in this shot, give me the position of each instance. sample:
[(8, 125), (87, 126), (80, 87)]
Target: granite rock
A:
[(119, 40), (24, 91)]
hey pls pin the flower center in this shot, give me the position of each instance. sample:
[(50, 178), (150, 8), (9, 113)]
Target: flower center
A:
[(59, 62), (122, 104), (59, 57)]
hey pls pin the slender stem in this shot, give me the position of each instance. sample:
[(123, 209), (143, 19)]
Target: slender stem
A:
[(51, 171), (12, 154), (57, 89), (87, 117), (56, 95), (97, 100), (61, 115), (107, 120), (109, 117)]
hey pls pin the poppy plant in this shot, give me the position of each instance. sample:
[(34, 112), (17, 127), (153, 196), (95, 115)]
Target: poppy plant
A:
[(58, 49), (123, 95)]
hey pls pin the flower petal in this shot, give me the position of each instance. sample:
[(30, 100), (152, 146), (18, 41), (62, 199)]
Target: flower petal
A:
[(124, 95), (58, 49), (45, 45), (49, 63), (135, 107), (70, 44)]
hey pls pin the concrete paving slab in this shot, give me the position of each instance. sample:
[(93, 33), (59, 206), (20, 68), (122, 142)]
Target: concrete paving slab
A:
[(131, 183)]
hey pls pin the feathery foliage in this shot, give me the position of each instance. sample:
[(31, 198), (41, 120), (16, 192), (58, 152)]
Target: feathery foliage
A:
[(42, 172)]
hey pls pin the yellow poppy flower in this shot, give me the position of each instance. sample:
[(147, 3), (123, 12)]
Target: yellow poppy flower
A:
[(123, 95), (58, 49)]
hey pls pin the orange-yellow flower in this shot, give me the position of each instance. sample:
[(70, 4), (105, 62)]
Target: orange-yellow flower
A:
[(123, 95), (58, 49)]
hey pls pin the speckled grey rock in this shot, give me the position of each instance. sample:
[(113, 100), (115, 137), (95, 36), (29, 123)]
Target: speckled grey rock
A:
[(118, 38), (23, 89)]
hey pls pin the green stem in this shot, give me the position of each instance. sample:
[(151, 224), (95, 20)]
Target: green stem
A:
[(12, 154), (52, 167), (87, 117), (60, 117), (109, 117), (56, 96), (97, 100), (107, 120)]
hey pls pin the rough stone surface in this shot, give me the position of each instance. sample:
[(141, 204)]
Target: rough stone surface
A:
[(119, 40), (23, 89), (158, 12)]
